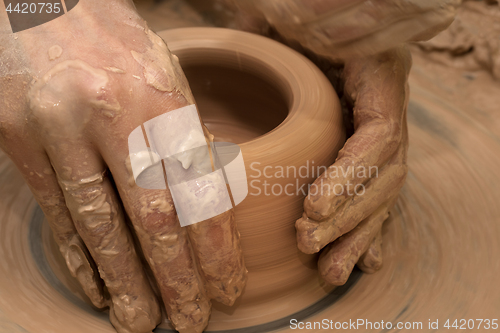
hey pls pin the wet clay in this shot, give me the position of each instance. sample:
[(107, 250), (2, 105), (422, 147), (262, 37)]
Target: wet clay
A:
[(115, 70), (98, 220), (337, 29), (55, 52), (255, 98), (55, 97), (177, 136), (470, 43), (161, 68)]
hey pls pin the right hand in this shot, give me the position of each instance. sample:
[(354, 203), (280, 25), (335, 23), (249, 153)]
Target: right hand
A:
[(67, 132), (359, 46), (340, 29)]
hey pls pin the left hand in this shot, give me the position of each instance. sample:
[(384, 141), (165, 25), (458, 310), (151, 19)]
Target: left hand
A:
[(97, 76)]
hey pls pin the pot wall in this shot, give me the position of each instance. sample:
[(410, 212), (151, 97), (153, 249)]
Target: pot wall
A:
[(285, 116)]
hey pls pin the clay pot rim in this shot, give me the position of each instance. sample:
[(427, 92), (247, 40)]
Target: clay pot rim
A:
[(281, 66)]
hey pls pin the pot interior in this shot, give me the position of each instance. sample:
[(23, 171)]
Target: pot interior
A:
[(236, 106)]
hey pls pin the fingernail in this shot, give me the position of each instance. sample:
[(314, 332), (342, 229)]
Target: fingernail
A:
[(310, 239), (227, 293), (192, 317), (134, 315), (81, 269)]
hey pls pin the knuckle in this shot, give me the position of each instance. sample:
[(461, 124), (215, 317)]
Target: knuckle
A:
[(52, 205), (52, 98), (92, 206), (155, 212), (391, 132)]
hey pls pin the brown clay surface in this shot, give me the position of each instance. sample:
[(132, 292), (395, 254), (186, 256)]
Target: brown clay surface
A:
[(440, 244)]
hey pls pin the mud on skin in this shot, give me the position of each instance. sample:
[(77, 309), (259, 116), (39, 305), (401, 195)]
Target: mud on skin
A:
[(82, 102)]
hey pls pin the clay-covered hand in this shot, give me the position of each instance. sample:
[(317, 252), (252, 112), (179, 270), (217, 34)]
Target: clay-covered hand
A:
[(344, 211), (357, 43), (71, 92), (340, 29)]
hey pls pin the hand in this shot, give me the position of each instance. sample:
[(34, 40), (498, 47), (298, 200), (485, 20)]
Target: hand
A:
[(340, 29), (73, 91), (353, 197), (358, 46)]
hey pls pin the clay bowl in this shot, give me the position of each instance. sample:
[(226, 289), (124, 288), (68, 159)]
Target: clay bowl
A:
[(286, 118)]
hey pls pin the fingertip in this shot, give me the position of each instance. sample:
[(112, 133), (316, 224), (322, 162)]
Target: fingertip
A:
[(369, 269), (312, 236), (192, 316), (81, 267), (335, 265), (372, 260), (370, 263), (134, 315), (307, 247), (230, 291), (316, 208), (304, 232), (335, 274)]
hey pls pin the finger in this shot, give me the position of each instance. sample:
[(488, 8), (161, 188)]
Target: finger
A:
[(422, 27), (313, 236), (42, 181), (99, 220), (379, 91), (165, 245), (216, 243), (372, 17), (337, 261), (371, 260), (328, 28), (26, 151)]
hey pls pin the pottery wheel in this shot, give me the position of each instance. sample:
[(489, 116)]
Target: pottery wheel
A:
[(441, 243)]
